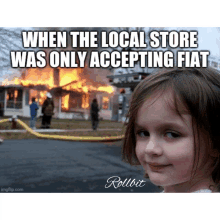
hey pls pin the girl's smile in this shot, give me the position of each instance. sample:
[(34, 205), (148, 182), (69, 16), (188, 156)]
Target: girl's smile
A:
[(157, 167)]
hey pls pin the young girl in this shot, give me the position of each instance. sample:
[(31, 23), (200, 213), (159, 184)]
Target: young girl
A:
[(173, 129)]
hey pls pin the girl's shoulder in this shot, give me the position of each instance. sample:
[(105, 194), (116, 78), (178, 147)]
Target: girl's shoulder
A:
[(203, 191), (200, 191)]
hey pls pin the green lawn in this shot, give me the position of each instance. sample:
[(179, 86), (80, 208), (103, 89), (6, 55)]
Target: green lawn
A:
[(116, 128)]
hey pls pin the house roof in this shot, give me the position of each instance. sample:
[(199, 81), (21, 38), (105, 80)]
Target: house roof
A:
[(11, 86), (59, 91)]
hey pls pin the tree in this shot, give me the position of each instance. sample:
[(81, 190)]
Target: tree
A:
[(10, 39)]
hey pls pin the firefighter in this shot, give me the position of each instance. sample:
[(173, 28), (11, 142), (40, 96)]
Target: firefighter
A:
[(47, 111)]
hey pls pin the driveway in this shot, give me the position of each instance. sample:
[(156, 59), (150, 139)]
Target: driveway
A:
[(62, 166)]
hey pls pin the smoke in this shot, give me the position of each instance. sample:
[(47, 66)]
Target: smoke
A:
[(95, 77)]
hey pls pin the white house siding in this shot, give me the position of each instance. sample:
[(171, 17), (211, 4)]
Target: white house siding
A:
[(105, 114)]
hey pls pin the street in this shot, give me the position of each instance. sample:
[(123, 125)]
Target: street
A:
[(37, 165)]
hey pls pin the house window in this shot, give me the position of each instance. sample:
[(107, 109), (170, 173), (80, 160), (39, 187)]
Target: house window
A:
[(74, 103), (105, 102), (65, 102), (26, 97), (14, 98), (85, 101)]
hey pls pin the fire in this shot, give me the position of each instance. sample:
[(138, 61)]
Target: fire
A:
[(69, 79), (105, 102), (16, 94), (85, 101), (40, 95), (108, 89), (67, 76), (15, 81), (38, 77), (65, 102)]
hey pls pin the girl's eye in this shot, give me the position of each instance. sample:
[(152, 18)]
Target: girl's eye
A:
[(142, 133), (172, 135)]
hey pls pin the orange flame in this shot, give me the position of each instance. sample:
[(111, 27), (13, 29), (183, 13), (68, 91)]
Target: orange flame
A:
[(105, 102), (69, 79), (65, 102), (85, 101)]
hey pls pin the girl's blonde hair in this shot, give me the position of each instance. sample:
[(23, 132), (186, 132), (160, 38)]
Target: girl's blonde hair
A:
[(198, 89)]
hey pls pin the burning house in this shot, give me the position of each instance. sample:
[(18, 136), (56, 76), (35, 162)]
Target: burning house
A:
[(72, 89)]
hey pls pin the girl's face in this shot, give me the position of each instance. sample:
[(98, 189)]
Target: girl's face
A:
[(164, 142)]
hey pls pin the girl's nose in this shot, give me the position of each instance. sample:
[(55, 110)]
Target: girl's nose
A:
[(153, 147)]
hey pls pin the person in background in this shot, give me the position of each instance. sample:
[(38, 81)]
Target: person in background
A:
[(94, 112), (33, 113), (47, 111)]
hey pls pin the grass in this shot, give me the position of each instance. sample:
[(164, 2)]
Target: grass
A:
[(68, 124)]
